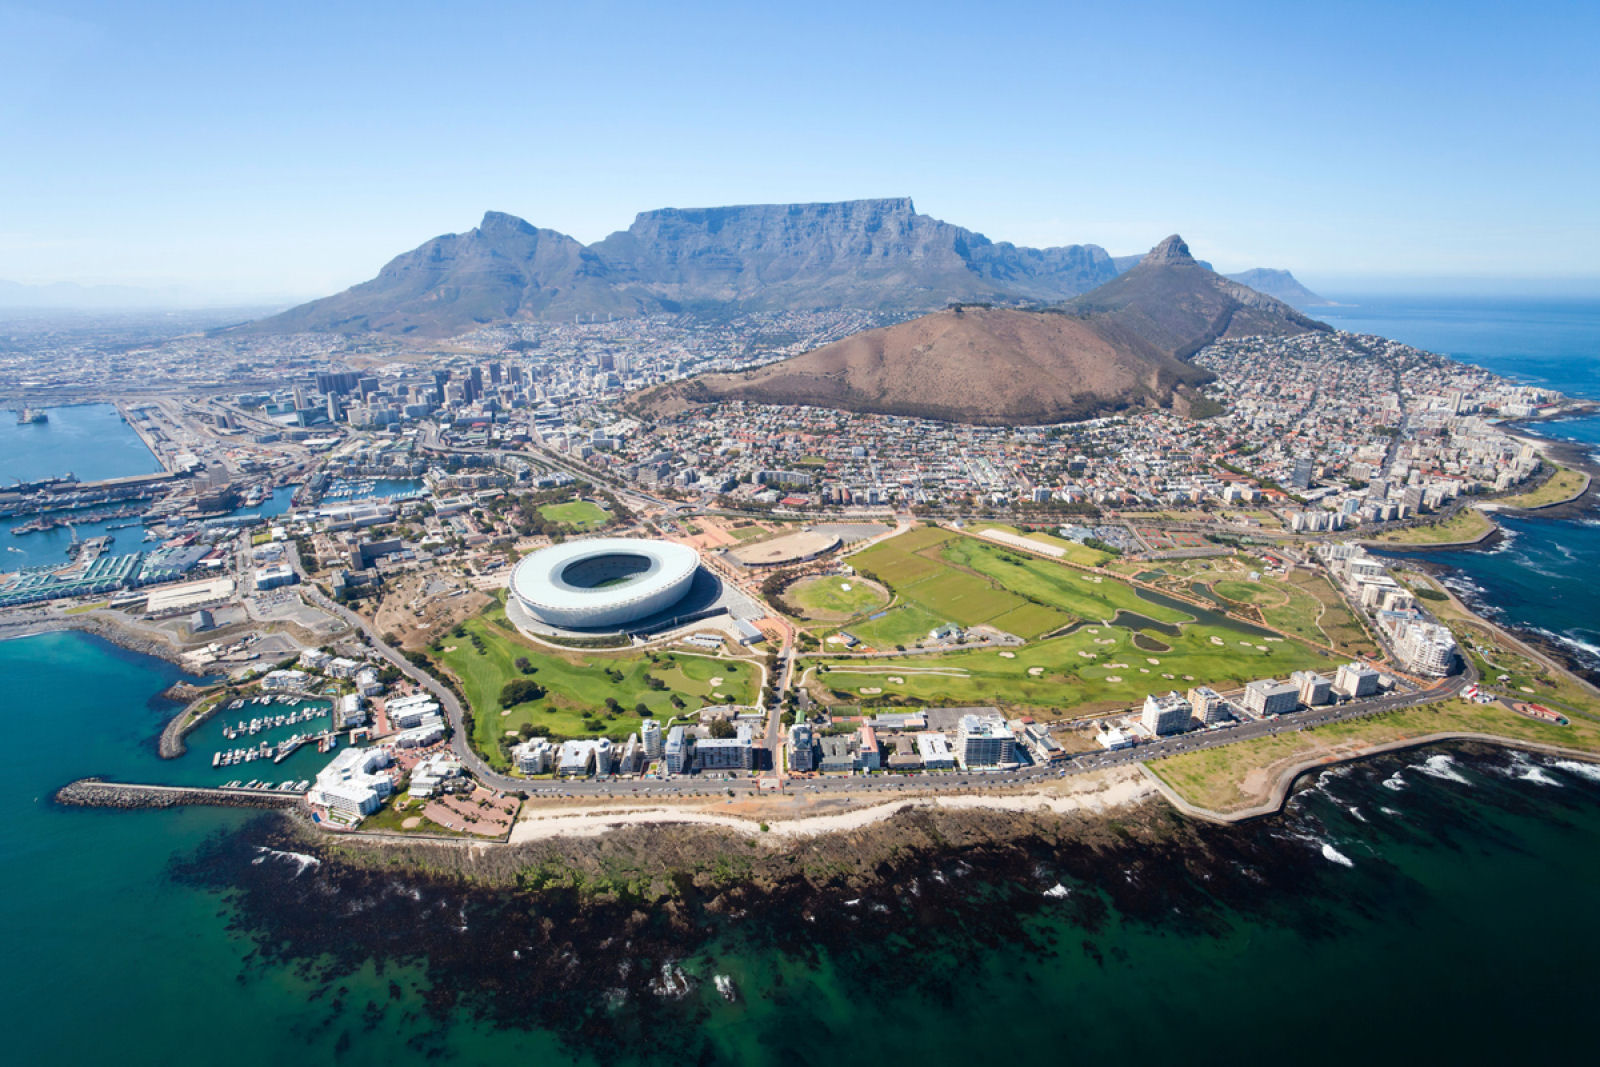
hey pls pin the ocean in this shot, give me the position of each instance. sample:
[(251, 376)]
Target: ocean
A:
[(1425, 906)]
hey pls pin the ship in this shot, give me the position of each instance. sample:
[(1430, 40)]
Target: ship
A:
[(31, 416)]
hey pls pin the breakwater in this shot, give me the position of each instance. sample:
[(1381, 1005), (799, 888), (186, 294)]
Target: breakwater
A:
[(96, 793)]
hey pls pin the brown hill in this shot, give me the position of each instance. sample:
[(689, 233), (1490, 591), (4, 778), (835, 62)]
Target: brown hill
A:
[(1122, 345)]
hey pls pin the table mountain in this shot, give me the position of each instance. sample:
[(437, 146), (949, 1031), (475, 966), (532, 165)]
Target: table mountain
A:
[(870, 254), (1124, 344)]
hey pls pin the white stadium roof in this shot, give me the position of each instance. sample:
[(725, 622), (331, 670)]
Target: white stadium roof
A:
[(607, 581)]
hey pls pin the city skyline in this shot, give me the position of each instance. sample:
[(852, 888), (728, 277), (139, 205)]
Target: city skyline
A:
[(280, 157)]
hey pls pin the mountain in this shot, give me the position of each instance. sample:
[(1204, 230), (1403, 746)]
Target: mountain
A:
[(1124, 344), (872, 254), (1283, 285)]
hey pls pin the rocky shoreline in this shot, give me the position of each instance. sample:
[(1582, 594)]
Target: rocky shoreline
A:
[(602, 939), (95, 793)]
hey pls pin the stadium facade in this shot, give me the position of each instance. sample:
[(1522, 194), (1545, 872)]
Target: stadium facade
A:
[(605, 583)]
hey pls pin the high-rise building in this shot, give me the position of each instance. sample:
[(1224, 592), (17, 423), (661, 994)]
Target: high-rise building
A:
[(1164, 715), (650, 738), (984, 741), (1314, 688), (802, 748), (679, 750), (1208, 705), (1271, 697), (1355, 680)]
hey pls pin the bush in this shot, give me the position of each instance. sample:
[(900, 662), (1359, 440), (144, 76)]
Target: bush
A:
[(722, 728), (520, 691)]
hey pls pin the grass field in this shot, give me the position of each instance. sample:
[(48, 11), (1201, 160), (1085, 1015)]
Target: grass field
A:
[(1082, 555), (577, 686), (1563, 485), (1096, 667), (579, 514), (834, 598), (1468, 524), (1231, 777)]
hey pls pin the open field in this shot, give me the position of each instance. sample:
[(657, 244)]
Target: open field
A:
[(1082, 555), (1565, 484), (1468, 524), (1098, 665), (579, 514), (1232, 777), (832, 598), (577, 684)]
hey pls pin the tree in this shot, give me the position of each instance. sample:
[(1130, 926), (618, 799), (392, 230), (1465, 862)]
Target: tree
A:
[(520, 691), (613, 706), (722, 728), (642, 710), (524, 666)]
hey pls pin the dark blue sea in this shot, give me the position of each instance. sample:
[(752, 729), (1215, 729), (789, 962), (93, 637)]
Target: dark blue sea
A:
[(1540, 576)]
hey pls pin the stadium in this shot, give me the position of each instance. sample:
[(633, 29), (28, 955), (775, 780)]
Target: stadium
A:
[(605, 583)]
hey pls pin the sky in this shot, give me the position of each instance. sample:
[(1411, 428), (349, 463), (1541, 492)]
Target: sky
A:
[(287, 150)]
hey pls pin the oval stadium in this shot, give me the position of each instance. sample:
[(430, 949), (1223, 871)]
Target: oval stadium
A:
[(606, 582)]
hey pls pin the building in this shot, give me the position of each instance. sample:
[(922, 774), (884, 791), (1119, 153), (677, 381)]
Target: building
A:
[(985, 741), (405, 713), (935, 752), (284, 681), (867, 747), (1355, 680), (1164, 715), (650, 739), (726, 753), (1269, 697), (351, 783), (603, 582), (581, 758), (1426, 647), (278, 574), (802, 748), (838, 755), (679, 750), (1315, 689), (1208, 705), (534, 756)]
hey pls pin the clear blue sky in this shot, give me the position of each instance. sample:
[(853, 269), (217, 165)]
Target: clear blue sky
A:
[(290, 149)]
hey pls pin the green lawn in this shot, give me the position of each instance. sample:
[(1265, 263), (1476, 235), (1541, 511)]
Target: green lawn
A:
[(1215, 778), (577, 686), (1563, 485), (831, 597), (1465, 525), (580, 514), (965, 580), (1082, 555)]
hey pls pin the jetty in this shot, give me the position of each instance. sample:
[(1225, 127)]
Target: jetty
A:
[(98, 793)]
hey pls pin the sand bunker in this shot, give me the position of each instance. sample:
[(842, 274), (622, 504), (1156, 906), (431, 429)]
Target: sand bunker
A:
[(1218, 641), (1008, 655), (870, 690), (896, 679), (1152, 660), (1112, 678), (1035, 671), (715, 682)]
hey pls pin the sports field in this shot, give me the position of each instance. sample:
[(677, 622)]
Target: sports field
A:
[(833, 598), (579, 514), (577, 685), (1123, 647)]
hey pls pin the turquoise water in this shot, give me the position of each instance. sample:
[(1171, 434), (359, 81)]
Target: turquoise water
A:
[(1468, 893)]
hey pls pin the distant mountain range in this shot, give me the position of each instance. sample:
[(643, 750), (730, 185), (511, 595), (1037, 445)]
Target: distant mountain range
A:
[(1123, 344), (876, 255)]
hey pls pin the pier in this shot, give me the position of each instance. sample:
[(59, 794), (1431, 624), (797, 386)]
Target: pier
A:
[(96, 793)]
